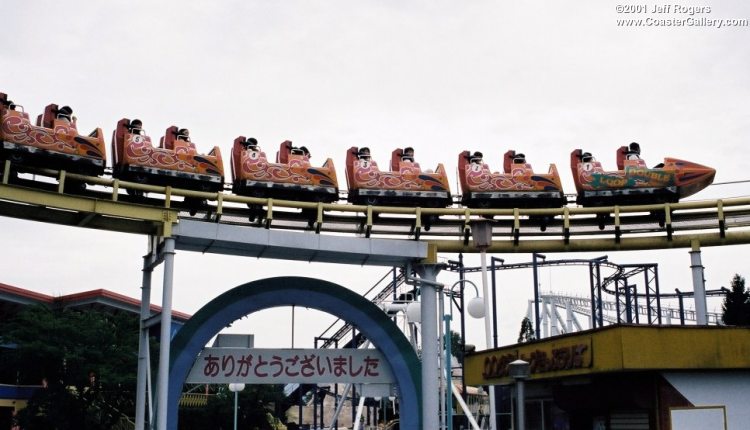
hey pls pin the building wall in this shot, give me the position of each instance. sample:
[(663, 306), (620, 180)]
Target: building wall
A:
[(16, 396), (11, 403), (728, 389), (8, 409)]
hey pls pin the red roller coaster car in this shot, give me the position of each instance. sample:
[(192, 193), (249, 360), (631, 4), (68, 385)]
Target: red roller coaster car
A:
[(405, 185), (53, 142), (175, 162), (516, 187), (291, 177), (634, 183)]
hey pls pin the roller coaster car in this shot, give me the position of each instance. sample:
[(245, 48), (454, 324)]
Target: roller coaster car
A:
[(405, 185), (634, 182), (516, 187), (174, 163), (290, 178), (52, 143)]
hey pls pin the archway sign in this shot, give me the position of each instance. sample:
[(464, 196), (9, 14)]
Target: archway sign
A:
[(299, 291)]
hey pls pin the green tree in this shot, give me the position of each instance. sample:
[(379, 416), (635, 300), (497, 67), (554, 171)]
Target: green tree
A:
[(736, 306), (258, 406), (86, 360), (457, 346), (527, 331)]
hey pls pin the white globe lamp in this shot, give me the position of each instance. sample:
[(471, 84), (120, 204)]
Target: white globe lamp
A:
[(414, 312), (476, 307)]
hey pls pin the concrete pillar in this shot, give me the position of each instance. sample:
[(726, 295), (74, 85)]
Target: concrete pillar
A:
[(699, 285), (488, 331), (430, 342)]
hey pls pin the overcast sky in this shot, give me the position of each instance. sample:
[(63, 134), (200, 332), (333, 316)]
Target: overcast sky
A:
[(540, 77)]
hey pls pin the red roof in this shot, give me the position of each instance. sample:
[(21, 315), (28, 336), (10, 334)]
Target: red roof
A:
[(9, 293)]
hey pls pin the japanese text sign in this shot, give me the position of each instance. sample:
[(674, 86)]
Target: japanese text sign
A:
[(280, 366)]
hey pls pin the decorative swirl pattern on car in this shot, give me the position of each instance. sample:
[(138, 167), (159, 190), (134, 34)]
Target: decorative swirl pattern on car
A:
[(481, 179), (321, 177), (89, 148), (18, 130), (593, 177), (207, 165), (140, 151), (259, 169), (370, 177)]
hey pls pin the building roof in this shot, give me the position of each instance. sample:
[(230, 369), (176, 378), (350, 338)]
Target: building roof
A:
[(617, 348), (13, 298)]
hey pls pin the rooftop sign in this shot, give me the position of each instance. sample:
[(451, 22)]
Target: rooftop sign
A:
[(543, 358), (617, 348)]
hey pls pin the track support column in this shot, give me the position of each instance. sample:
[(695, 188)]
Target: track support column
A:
[(430, 359), (482, 238), (537, 314), (699, 284), (166, 332), (144, 363)]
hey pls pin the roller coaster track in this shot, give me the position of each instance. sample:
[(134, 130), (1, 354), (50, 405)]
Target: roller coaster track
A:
[(582, 305), (393, 279), (105, 204)]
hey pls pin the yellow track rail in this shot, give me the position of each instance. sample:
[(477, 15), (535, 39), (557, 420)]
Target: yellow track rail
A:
[(106, 211)]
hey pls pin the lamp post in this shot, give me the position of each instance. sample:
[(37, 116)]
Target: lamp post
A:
[(481, 232), (520, 370), (236, 388), (476, 309)]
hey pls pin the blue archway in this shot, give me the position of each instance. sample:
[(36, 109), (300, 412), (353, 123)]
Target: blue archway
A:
[(298, 291)]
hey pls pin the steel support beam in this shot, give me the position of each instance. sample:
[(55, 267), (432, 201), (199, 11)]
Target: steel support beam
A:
[(537, 317), (594, 301), (599, 300), (160, 219), (658, 292), (597, 245), (144, 365), (162, 384)]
